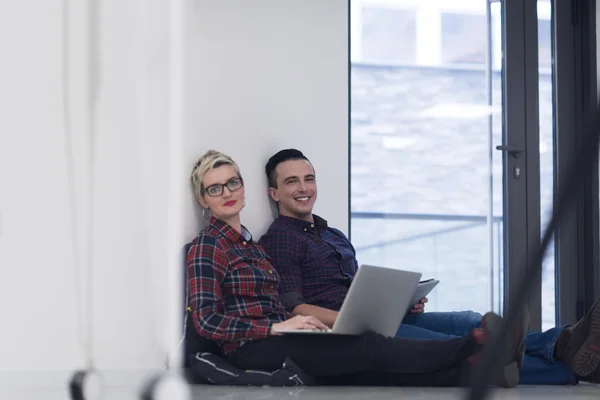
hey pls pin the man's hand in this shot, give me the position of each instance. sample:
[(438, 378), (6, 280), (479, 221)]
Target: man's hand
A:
[(420, 306)]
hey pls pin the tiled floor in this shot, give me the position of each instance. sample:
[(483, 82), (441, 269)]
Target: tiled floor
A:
[(355, 393), (330, 393)]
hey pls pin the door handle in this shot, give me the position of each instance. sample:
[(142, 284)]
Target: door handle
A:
[(512, 150)]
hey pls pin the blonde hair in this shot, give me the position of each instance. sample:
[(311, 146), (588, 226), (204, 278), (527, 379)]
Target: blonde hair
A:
[(210, 160)]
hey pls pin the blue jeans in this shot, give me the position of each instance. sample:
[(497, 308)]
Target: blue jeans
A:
[(540, 366)]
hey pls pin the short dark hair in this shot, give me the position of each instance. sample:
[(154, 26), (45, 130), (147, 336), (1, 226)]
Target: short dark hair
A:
[(275, 160)]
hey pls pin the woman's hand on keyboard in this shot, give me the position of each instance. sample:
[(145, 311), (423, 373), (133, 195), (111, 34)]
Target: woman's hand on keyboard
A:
[(299, 322)]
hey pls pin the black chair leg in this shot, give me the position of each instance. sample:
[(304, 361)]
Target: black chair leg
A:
[(82, 383), (165, 386)]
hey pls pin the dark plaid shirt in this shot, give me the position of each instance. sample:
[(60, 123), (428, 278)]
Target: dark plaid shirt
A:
[(232, 287), (316, 263)]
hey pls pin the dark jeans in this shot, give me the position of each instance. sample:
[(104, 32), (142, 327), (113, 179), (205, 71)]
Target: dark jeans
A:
[(540, 366), (368, 359)]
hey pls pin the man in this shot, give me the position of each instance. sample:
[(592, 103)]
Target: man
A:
[(317, 264)]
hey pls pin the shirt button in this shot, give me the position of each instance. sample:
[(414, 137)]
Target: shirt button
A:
[(244, 242), (270, 271), (312, 225), (305, 229)]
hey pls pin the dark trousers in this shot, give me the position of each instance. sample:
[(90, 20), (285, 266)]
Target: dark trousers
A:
[(368, 359)]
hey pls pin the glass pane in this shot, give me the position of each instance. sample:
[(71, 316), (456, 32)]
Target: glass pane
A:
[(381, 29), (426, 188), (462, 41), (546, 156)]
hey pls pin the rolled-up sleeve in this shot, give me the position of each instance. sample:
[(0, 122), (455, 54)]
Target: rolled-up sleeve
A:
[(291, 300)]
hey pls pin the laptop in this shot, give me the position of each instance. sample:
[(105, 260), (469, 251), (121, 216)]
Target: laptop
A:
[(376, 301)]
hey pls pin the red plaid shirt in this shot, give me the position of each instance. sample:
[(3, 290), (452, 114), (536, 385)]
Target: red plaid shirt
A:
[(233, 289)]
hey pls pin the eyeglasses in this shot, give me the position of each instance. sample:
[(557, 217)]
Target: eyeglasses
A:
[(217, 189)]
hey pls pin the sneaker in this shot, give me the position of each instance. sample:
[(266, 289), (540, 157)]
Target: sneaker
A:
[(593, 378), (512, 356), (579, 346)]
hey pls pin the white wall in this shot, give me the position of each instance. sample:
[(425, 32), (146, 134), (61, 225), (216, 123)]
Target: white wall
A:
[(259, 77), (41, 312), (262, 76), (37, 296)]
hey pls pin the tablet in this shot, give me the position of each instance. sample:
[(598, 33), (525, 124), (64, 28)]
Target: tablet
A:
[(422, 290)]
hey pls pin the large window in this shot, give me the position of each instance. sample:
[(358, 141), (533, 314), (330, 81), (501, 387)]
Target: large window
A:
[(427, 189)]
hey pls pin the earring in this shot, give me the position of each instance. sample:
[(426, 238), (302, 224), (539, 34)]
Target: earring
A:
[(204, 214)]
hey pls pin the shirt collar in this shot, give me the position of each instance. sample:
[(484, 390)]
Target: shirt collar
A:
[(303, 225), (230, 233)]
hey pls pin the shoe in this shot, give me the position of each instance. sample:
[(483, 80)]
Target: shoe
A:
[(491, 324), (579, 346), (593, 378), (516, 348)]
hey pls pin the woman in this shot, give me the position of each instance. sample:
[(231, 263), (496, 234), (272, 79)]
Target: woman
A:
[(233, 295)]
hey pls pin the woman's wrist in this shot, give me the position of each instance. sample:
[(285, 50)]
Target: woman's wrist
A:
[(274, 328)]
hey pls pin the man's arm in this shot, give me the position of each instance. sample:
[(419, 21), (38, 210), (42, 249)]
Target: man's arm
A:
[(287, 255), (324, 315)]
